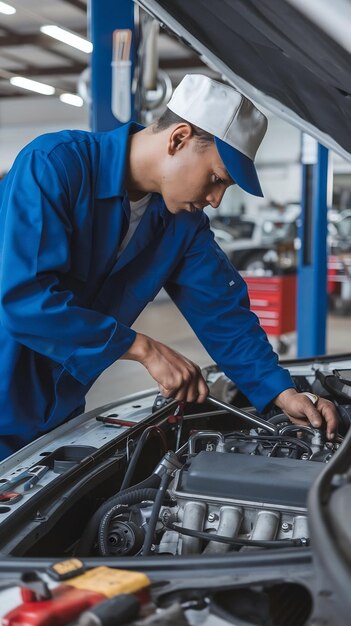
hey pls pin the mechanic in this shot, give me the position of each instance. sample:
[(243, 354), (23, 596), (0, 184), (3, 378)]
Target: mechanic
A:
[(93, 225)]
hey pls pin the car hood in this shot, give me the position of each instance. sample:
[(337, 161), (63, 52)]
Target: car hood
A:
[(293, 60)]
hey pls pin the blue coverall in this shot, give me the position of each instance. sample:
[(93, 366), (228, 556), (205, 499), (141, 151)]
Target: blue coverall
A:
[(67, 303)]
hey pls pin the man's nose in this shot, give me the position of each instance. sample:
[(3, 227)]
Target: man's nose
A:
[(214, 198)]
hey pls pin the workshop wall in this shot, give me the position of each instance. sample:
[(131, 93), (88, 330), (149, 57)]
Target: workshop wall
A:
[(23, 119)]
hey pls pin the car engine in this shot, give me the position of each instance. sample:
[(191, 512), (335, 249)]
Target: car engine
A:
[(222, 490), (150, 477)]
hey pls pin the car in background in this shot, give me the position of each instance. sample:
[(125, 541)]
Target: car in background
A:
[(339, 232), (266, 239), (339, 262)]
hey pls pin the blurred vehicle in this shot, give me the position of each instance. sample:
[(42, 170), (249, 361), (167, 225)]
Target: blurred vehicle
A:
[(339, 262), (339, 232), (266, 240)]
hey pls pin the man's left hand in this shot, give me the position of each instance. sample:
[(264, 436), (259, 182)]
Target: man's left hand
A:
[(297, 406)]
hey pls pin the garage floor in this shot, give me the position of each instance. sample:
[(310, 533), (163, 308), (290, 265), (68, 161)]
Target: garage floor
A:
[(162, 320)]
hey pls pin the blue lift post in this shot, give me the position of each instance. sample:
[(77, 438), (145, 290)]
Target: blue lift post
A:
[(104, 17), (312, 299)]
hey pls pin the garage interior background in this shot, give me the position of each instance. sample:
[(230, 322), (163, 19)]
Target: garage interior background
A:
[(26, 51)]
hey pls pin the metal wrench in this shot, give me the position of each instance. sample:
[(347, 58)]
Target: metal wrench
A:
[(29, 477)]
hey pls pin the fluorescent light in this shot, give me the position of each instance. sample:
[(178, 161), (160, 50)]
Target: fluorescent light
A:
[(7, 9), (67, 37), (71, 98), (32, 85)]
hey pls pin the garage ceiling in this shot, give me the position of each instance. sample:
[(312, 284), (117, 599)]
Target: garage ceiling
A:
[(25, 51)]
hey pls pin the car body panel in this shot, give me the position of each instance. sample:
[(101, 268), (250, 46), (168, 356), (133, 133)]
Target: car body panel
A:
[(275, 55)]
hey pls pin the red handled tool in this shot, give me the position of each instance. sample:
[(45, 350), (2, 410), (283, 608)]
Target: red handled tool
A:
[(114, 421), (10, 497), (61, 605)]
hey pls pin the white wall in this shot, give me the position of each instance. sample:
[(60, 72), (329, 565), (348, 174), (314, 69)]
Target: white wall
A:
[(23, 119), (278, 168)]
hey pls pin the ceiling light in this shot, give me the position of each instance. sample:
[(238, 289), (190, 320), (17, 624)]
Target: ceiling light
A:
[(67, 37), (71, 98), (7, 9), (32, 85)]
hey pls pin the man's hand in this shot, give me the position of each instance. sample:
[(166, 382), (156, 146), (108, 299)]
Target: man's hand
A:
[(177, 376), (296, 405)]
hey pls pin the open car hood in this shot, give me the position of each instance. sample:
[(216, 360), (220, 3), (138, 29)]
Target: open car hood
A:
[(275, 54)]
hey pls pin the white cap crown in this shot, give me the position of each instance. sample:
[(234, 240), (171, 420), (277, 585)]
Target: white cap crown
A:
[(221, 111)]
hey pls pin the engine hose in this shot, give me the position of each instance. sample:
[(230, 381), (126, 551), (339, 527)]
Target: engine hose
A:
[(269, 439), (149, 537), (85, 544), (279, 543), (135, 457), (295, 428), (278, 419), (131, 498)]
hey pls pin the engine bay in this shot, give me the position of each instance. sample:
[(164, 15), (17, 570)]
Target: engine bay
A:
[(221, 491), (172, 480), (145, 480)]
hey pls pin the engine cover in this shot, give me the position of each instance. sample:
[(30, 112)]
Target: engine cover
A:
[(257, 479)]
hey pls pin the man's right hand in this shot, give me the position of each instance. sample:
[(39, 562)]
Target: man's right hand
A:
[(177, 376)]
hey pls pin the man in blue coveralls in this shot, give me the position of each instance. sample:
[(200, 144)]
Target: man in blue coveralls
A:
[(93, 225)]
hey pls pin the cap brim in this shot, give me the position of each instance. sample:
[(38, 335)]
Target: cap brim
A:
[(239, 167)]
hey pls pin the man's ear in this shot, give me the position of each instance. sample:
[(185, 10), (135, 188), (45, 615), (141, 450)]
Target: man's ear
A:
[(179, 137)]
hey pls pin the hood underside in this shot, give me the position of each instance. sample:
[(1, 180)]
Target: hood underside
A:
[(275, 55)]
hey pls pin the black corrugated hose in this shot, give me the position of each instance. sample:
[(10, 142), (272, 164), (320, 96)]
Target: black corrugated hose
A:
[(146, 490)]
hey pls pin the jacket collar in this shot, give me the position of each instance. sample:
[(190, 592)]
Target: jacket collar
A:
[(113, 158)]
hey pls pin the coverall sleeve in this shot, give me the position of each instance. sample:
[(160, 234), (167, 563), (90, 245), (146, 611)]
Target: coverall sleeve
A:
[(213, 298), (34, 307)]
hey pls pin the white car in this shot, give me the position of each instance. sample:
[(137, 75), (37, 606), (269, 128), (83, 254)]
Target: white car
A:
[(255, 242)]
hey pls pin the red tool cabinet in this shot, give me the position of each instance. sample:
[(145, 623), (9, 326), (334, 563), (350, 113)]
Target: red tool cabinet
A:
[(273, 299)]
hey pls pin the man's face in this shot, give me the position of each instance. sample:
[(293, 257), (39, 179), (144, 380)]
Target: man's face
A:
[(193, 175)]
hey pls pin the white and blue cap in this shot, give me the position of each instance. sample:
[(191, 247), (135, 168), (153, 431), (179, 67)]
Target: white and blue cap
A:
[(237, 125)]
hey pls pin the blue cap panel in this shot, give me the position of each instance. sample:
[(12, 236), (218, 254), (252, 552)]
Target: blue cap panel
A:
[(239, 167)]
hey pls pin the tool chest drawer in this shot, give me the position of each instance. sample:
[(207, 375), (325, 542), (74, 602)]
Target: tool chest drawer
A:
[(273, 299)]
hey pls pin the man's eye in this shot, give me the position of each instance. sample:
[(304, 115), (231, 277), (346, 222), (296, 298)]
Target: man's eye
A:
[(217, 179)]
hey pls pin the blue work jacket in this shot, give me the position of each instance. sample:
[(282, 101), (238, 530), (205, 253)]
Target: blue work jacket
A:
[(67, 302)]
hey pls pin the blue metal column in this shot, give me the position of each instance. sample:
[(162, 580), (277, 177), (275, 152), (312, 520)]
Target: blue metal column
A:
[(104, 17), (312, 268)]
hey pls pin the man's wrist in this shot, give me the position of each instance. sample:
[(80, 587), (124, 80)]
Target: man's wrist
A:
[(139, 350), (282, 398)]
